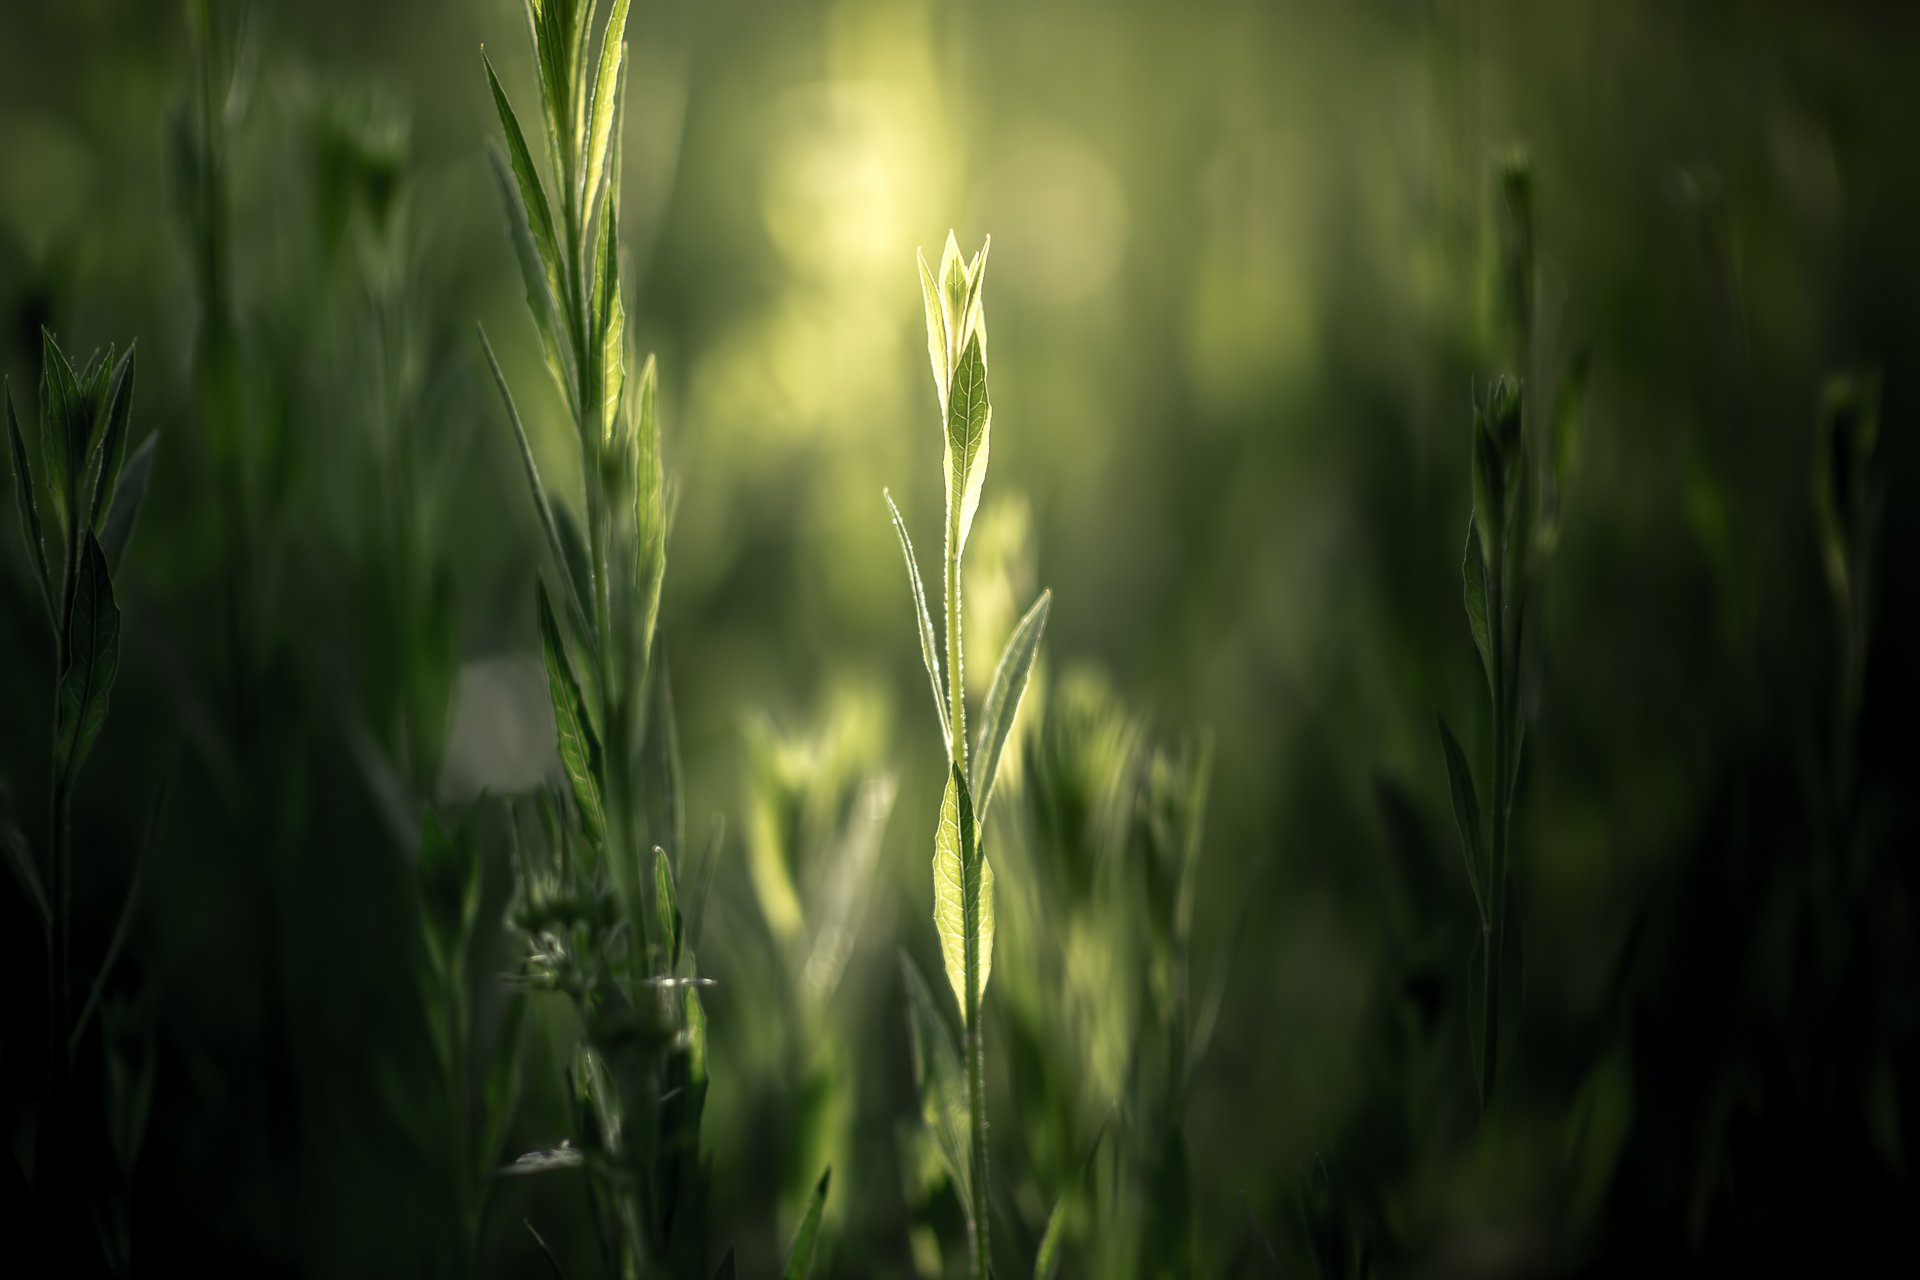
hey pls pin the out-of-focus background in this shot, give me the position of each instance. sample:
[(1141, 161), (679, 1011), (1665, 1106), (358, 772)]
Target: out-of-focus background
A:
[(1242, 297)]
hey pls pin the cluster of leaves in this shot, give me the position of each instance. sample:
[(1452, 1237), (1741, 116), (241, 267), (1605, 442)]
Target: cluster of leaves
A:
[(962, 875), (92, 489)]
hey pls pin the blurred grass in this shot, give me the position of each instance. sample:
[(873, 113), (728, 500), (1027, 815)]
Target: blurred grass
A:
[(1240, 300)]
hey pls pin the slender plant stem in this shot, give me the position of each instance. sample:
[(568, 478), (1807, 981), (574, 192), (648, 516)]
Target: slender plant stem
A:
[(975, 1046)]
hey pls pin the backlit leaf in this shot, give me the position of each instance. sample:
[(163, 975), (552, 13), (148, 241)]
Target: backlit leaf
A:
[(1003, 698)]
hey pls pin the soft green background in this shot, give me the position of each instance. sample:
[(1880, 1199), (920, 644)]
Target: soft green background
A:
[(1239, 298)]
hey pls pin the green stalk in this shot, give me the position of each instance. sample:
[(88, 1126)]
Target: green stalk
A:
[(975, 1048)]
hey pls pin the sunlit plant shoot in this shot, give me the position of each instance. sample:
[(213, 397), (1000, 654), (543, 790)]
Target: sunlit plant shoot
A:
[(962, 876)]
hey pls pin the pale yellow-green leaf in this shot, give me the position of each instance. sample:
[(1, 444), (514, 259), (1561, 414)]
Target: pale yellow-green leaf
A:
[(605, 101), (969, 431), (962, 894)]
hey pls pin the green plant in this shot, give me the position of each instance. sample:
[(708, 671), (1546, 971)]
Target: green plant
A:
[(93, 489), (1518, 474), (962, 875)]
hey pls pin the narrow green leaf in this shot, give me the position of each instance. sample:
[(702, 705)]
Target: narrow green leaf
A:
[(503, 1083), (940, 1079), (667, 906), (533, 196), (544, 508), (60, 404), (578, 751), (649, 506), (548, 28), (1466, 815), (578, 563), (93, 641), (610, 324), (26, 493), (605, 102), (969, 430), (939, 348), (726, 1270), (534, 280), (109, 453), (1473, 589), (576, 24), (800, 1254), (929, 645), (124, 509), (1003, 698), (962, 891)]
